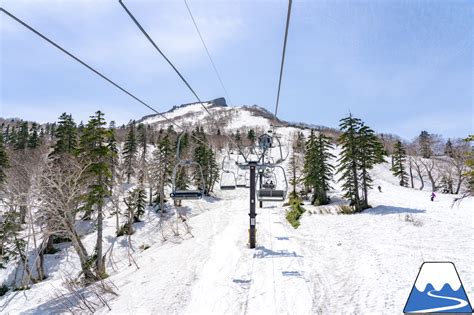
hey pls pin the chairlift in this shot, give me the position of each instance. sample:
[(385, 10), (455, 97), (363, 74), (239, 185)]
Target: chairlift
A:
[(241, 180), (268, 191), (228, 180), (186, 194)]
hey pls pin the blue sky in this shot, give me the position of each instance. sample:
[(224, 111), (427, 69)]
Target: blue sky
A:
[(401, 66)]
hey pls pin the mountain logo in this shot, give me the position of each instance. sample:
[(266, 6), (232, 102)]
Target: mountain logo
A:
[(438, 289)]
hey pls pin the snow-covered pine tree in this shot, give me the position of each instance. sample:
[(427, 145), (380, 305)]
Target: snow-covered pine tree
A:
[(399, 158), (130, 151), (93, 149)]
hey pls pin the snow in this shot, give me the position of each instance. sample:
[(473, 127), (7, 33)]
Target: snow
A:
[(353, 264)]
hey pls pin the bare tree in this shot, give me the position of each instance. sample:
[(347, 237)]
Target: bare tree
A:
[(416, 162), (460, 156), (430, 167), (62, 190), (22, 176)]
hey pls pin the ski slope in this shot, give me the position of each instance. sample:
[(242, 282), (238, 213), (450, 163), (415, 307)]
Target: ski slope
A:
[(332, 264)]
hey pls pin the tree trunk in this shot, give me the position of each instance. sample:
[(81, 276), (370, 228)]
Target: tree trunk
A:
[(22, 214), (411, 174), (459, 185), (432, 181), (100, 266), (82, 253), (150, 195), (356, 187)]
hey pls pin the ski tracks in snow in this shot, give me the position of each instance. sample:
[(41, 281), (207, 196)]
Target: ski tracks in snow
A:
[(279, 283)]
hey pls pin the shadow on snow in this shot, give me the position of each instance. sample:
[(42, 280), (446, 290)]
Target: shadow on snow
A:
[(382, 210)]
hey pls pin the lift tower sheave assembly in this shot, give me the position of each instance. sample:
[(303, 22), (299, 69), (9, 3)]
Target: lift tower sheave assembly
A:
[(252, 214)]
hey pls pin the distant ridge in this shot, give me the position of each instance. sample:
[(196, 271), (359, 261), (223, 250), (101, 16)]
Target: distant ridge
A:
[(218, 102)]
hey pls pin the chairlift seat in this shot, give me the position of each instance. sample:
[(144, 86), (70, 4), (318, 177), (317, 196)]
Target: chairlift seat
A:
[(228, 187), (268, 186), (271, 195), (186, 194)]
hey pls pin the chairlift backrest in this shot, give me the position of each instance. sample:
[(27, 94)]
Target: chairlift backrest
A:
[(268, 191), (185, 194)]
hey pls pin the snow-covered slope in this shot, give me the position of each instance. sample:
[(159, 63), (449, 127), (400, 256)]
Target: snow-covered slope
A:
[(228, 118), (332, 264)]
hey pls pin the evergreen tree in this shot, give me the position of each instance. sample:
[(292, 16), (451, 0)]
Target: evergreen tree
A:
[(3, 160), (94, 151), (22, 136), (399, 158), (371, 152), (318, 171), (11, 244), (34, 140), (113, 158), (11, 139), (130, 151), (162, 164), (448, 149), (348, 160), (182, 176), (251, 136), (424, 142), (142, 140), (237, 136), (41, 135), (206, 159), (66, 136), (361, 150), (140, 204)]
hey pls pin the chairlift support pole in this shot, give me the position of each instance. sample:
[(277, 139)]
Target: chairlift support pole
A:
[(252, 214)]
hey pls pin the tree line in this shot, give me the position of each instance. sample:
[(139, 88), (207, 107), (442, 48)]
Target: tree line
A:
[(56, 175), (313, 166)]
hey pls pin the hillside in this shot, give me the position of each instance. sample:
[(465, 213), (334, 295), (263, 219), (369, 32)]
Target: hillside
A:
[(195, 260)]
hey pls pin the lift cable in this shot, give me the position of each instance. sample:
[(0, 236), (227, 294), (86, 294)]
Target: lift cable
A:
[(177, 72), (207, 51), (282, 60), (95, 71)]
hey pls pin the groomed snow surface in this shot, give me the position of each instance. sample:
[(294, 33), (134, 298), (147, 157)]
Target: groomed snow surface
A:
[(332, 264)]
